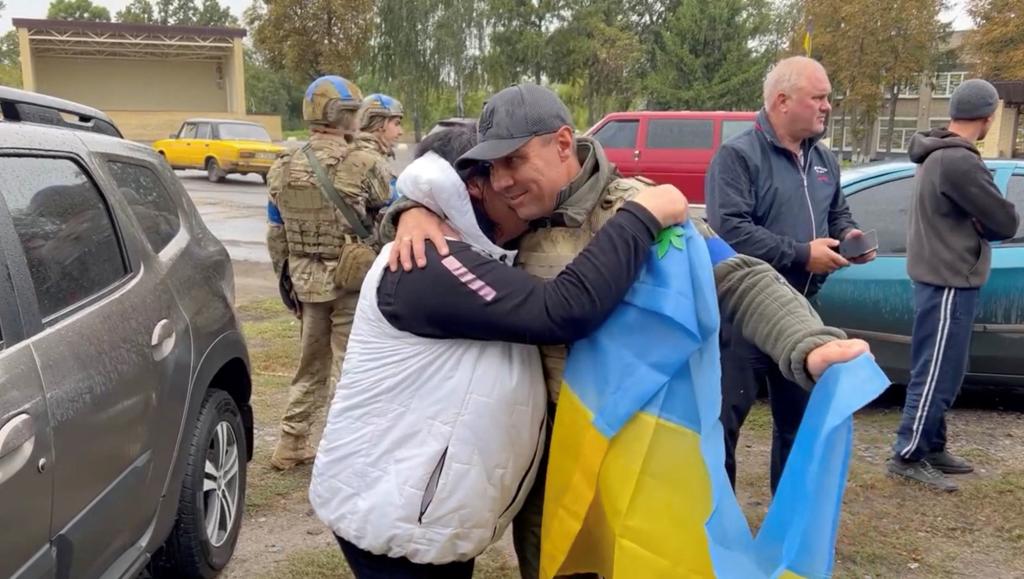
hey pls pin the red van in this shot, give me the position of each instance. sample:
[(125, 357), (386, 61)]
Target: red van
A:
[(668, 146)]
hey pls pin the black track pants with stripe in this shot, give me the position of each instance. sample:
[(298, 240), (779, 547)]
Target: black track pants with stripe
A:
[(943, 319)]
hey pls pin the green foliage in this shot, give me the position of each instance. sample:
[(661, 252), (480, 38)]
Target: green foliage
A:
[(77, 10), (10, 60), (711, 54), (311, 38), (137, 12)]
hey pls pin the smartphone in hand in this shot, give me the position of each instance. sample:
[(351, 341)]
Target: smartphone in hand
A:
[(853, 247)]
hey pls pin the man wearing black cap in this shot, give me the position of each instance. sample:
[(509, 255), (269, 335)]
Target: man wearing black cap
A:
[(566, 188), (957, 210)]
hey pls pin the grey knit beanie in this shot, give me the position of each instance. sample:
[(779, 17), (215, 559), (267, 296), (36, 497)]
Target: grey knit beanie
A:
[(974, 99)]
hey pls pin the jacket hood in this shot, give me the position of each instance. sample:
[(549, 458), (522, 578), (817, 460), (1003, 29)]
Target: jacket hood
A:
[(927, 142), (433, 182), (577, 199)]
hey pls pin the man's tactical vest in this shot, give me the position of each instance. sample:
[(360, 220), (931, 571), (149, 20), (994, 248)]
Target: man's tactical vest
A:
[(545, 253), (314, 228)]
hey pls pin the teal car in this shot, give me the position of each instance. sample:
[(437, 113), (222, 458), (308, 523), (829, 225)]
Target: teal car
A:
[(874, 301)]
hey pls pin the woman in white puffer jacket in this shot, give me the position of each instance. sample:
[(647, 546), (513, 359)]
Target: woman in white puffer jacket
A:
[(437, 425)]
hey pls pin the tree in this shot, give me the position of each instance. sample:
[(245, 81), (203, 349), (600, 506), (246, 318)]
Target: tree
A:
[(176, 12), (404, 55), (10, 59), (268, 91), (914, 43), (516, 44), (77, 10), (211, 13), (869, 45), (458, 42), (596, 47), (997, 44), (137, 12), (311, 38), (711, 54)]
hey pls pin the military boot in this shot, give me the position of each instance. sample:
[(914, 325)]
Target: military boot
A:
[(292, 450)]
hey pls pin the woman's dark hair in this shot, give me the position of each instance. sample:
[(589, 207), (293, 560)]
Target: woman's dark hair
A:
[(449, 144)]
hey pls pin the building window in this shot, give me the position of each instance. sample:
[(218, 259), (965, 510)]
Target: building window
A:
[(904, 128), (843, 142), (911, 89), (947, 82)]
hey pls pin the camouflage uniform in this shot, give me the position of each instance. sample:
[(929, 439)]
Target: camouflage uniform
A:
[(308, 231), (377, 108)]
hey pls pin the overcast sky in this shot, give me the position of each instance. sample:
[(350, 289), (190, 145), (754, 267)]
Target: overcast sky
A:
[(37, 9)]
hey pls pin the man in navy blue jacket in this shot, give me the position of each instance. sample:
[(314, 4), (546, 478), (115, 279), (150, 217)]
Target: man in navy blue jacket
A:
[(773, 193)]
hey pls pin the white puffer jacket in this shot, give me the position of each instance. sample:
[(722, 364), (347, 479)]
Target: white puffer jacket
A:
[(430, 445)]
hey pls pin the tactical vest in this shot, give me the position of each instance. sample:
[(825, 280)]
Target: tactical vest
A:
[(314, 229), (545, 253)]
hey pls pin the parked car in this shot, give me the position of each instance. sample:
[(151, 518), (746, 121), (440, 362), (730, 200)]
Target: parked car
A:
[(875, 301), (672, 147), (125, 421), (452, 122), (220, 147)]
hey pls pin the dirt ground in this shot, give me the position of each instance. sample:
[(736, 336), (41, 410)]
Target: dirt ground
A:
[(889, 529)]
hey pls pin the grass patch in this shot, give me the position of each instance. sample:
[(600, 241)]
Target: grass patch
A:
[(329, 562), (758, 422), (267, 488), (273, 337), (257, 310), (313, 564)]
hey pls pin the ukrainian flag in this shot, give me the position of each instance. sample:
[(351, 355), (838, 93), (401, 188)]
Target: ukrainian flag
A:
[(636, 483)]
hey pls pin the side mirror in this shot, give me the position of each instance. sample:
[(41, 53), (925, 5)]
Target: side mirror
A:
[(173, 136)]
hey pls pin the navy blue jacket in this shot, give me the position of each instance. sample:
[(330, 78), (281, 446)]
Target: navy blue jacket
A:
[(769, 203)]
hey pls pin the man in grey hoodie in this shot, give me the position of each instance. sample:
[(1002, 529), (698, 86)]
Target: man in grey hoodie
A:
[(957, 210)]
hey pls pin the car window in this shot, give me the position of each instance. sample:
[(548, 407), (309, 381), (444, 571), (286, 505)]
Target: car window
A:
[(188, 131), (680, 134), (732, 128), (241, 132), (884, 208), (204, 131), (65, 228), (150, 202), (618, 135), (1015, 193)]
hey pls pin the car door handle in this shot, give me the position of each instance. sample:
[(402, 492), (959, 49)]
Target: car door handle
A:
[(163, 339), (18, 432), (636, 155)]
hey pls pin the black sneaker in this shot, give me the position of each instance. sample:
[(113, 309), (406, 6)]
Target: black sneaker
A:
[(949, 464), (923, 472)]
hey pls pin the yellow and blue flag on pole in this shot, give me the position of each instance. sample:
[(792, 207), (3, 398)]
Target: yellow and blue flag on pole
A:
[(636, 482)]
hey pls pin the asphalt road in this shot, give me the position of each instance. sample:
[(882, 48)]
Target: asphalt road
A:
[(236, 210)]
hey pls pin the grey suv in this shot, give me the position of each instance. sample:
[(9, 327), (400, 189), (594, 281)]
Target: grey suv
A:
[(125, 424)]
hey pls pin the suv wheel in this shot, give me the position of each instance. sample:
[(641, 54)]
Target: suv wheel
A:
[(213, 171), (212, 495)]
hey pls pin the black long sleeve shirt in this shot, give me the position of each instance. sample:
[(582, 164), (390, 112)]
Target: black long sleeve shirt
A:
[(468, 295)]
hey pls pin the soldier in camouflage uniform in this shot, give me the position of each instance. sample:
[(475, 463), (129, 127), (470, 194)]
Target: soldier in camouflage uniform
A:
[(380, 127), (311, 241), (380, 124)]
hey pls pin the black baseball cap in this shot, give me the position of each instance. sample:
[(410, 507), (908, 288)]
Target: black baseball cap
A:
[(511, 118)]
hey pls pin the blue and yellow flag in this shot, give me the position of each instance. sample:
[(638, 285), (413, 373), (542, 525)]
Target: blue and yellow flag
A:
[(636, 483), (808, 40)]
